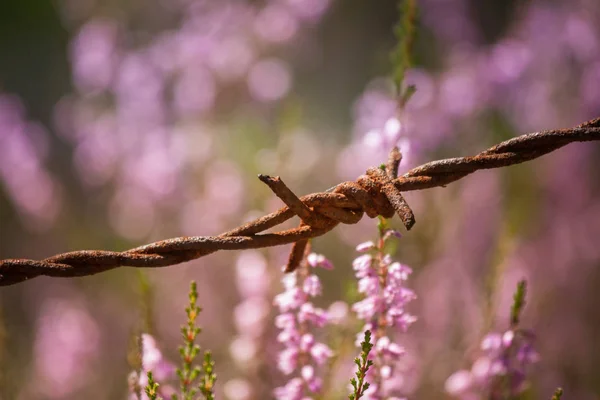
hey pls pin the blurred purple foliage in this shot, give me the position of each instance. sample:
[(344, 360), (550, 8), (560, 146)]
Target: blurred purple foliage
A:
[(173, 107)]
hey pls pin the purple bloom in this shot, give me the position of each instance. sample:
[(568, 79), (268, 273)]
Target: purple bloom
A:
[(312, 286), (385, 346), (366, 246), (298, 316), (288, 360), (291, 391), (391, 233), (289, 300), (368, 285), (320, 353), (315, 315), (362, 265), (318, 260), (382, 281), (501, 368), (314, 382)]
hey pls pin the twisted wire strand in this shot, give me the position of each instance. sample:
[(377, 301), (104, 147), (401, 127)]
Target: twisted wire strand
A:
[(378, 192)]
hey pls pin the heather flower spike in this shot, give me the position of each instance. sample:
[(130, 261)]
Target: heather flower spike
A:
[(382, 282), (302, 353), (500, 372)]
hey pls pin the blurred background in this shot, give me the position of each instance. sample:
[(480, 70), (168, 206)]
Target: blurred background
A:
[(125, 122)]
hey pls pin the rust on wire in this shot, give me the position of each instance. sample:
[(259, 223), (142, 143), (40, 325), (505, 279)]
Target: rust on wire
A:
[(378, 192)]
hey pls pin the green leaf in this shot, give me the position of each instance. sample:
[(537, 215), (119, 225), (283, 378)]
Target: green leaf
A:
[(518, 303)]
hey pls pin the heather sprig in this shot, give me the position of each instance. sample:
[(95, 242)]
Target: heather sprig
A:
[(189, 373), (363, 364), (152, 388), (209, 378)]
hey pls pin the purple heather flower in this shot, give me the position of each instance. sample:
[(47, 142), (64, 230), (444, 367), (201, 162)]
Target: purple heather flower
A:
[(318, 260), (312, 286), (288, 360), (285, 321), (290, 299), (362, 265), (366, 246), (501, 367), (386, 347), (315, 315), (314, 382), (293, 390), (298, 316), (382, 281), (368, 285), (391, 233), (320, 353)]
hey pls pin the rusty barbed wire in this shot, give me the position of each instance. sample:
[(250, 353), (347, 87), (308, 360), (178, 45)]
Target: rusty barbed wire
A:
[(378, 192)]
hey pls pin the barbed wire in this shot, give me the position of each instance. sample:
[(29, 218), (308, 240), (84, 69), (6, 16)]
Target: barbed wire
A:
[(378, 192)]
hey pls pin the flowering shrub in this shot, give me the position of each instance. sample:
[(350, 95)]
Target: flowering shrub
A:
[(499, 373)]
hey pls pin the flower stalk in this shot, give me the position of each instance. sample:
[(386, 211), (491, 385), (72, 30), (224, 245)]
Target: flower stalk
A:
[(298, 316), (382, 282)]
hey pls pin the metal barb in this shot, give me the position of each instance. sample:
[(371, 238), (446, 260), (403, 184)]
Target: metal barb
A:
[(375, 193)]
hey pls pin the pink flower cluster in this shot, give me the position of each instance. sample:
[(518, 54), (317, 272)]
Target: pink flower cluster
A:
[(501, 369), (152, 361), (298, 315), (382, 282)]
